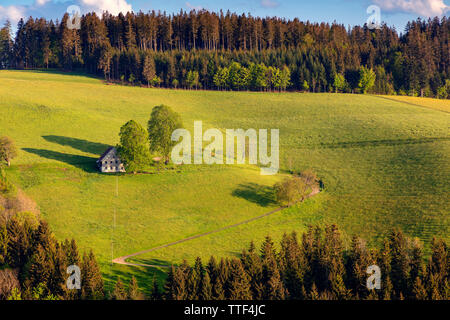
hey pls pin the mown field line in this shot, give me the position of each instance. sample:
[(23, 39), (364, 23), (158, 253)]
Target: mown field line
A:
[(410, 103), (123, 260)]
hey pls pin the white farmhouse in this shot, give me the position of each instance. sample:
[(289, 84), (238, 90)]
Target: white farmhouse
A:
[(110, 162)]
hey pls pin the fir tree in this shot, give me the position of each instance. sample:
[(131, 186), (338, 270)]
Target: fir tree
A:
[(119, 292), (133, 290), (206, 287)]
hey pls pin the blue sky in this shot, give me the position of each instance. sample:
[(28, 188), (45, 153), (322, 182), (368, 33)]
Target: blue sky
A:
[(349, 12)]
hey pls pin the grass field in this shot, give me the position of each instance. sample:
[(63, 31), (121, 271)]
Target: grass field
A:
[(384, 163), (436, 104)]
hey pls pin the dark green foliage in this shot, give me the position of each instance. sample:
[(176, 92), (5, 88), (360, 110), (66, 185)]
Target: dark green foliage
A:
[(133, 147), (6, 46), (318, 268), (194, 280), (163, 122), (238, 52), (358, 261), (92, 282), (133, 290), (206, 287), (119, 292), (156, 293), (42, 262), (239, 285)]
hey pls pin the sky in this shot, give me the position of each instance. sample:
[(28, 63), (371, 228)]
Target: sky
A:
[(348, 12)]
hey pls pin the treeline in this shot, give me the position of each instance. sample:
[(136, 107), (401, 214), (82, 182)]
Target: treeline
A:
[(317, 268), (208, 50)]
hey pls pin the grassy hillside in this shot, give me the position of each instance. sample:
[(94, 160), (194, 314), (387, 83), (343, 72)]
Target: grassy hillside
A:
[(436, 104), (384, 163)]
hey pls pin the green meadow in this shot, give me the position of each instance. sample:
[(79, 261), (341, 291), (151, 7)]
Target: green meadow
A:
[(384, 164)]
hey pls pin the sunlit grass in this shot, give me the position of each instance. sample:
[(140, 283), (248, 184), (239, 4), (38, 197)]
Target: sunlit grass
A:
[(384, 164)]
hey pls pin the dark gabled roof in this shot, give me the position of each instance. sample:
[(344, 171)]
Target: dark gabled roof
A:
[(106, 153)]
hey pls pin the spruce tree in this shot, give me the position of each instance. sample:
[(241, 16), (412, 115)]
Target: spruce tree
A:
[(119, 292), (194, 280), (148, 71), (92, 281), (239, 285), (134, 292), (156, 293), (419, 291), (206, 288)]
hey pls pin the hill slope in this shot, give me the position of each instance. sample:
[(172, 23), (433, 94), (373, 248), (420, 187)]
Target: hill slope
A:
[(384, 163)]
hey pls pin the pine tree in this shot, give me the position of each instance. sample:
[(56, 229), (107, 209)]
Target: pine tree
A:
[(420, 293), (400, 265), (206, 287), (133, 290), (4, 239), (156, 293), (238, 282), (221, 282), (92, 281), (314, 294), (6, 46), (169, 285), (119, 292), (194, 280), (254, 268), (358, 262), (416, 266), (148, 72), (180, 287), (438, 266)]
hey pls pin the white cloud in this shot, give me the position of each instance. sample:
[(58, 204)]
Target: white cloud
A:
[(269, 3), (426, 8), (12, 13), (194, 7), (41, 2), (56, 9), (112, 6)]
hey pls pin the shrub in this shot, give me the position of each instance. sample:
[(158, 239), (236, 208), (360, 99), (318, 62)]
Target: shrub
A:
[(291, 190), (8, 150)]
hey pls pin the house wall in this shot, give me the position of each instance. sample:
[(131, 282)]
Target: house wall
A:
[(114, 167), (111, 163)]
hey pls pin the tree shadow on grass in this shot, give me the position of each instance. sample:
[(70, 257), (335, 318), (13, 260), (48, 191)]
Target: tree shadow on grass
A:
[(69, 74), (261, 195), (87, 164), (80, 144), (377, 143)]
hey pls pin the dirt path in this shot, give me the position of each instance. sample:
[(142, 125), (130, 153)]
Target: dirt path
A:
[(123, 260)]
